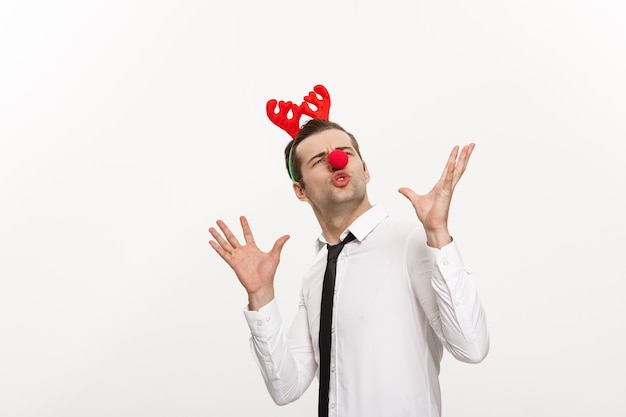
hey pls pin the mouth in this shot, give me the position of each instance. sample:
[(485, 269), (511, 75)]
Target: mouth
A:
[(340, 179)]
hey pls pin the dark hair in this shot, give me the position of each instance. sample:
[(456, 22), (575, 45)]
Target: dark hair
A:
[(310, 128)]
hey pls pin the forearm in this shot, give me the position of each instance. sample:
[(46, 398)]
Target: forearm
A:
[(286, 363), (461, 314)]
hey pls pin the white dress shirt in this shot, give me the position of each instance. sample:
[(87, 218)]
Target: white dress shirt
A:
[(397, 303)]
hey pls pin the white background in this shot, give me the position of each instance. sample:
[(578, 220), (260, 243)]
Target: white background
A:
[(128, 127)]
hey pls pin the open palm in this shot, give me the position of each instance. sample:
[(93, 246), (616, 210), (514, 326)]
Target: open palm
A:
[(254, 268), (432, 208)]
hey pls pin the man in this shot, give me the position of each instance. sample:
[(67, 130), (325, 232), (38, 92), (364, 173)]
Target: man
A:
[(402, 292)]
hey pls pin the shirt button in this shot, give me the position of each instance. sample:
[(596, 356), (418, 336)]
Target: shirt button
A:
[(267, 319), (445, 262), (259, 323), (332, 369), (457, 303), (332, 405)]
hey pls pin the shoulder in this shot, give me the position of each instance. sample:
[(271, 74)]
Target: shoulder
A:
[(398, 235), (401, 229)]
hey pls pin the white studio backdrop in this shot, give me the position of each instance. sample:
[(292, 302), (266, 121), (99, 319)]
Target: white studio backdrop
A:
[(128, 127)]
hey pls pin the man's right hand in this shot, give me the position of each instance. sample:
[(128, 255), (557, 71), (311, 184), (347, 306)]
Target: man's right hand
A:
[(254, 268)]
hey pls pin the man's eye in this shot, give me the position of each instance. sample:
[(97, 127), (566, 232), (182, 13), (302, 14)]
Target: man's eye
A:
[(318, 161)]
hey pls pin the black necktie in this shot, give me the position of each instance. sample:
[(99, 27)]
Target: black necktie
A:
[(326, 321)]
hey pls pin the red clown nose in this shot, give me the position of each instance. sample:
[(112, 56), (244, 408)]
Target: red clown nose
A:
[(338, 159)]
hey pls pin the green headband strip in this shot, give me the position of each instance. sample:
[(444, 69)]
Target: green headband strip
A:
[(290, 164)]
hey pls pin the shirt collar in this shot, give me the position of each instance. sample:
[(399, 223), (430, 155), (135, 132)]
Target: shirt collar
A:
[(361, 227)]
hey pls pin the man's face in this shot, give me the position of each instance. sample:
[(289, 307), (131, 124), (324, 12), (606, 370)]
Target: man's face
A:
[(326, 187)]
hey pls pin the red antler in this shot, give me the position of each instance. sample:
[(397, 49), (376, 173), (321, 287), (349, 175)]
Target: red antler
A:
[(291, 124), (322, 105), (281, 119)]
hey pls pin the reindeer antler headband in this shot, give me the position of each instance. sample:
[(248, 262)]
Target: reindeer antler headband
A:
[(337, 158)]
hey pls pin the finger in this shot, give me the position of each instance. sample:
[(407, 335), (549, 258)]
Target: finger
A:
[(219, 249), (278, 246), (465, 154), (247, 233), (224, 245), (228, 234), (461, 165), (448, 172), (450, 162)]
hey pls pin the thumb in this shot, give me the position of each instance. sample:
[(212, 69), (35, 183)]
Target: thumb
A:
[(278, 245), (408, 193)]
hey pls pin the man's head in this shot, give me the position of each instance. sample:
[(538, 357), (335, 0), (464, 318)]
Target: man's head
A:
[(329, 190), (310, 128)]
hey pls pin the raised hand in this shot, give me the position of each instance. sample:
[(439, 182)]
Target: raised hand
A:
[(254, 268), (432, 208)]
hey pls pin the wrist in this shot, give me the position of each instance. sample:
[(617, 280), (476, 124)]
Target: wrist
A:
[(259, 298), (438, 238)]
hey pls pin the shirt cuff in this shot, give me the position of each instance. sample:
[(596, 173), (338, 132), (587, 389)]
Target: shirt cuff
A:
[(266, 321), (448, 259)]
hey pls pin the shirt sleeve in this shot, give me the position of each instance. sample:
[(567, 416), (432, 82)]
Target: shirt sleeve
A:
[(287, 363), (446, 290)]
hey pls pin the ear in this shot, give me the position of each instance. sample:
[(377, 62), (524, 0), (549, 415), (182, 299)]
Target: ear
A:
[(299, 191), (367, 173)]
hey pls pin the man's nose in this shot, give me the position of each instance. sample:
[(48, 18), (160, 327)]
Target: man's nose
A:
[(337, 159)]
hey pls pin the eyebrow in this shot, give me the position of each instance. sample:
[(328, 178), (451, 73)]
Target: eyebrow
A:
[(320, 154)]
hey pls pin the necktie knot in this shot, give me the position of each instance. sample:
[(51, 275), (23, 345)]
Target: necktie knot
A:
[(334, 250)]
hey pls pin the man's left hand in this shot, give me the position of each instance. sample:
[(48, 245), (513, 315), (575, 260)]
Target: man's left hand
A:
[(432, 208)]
